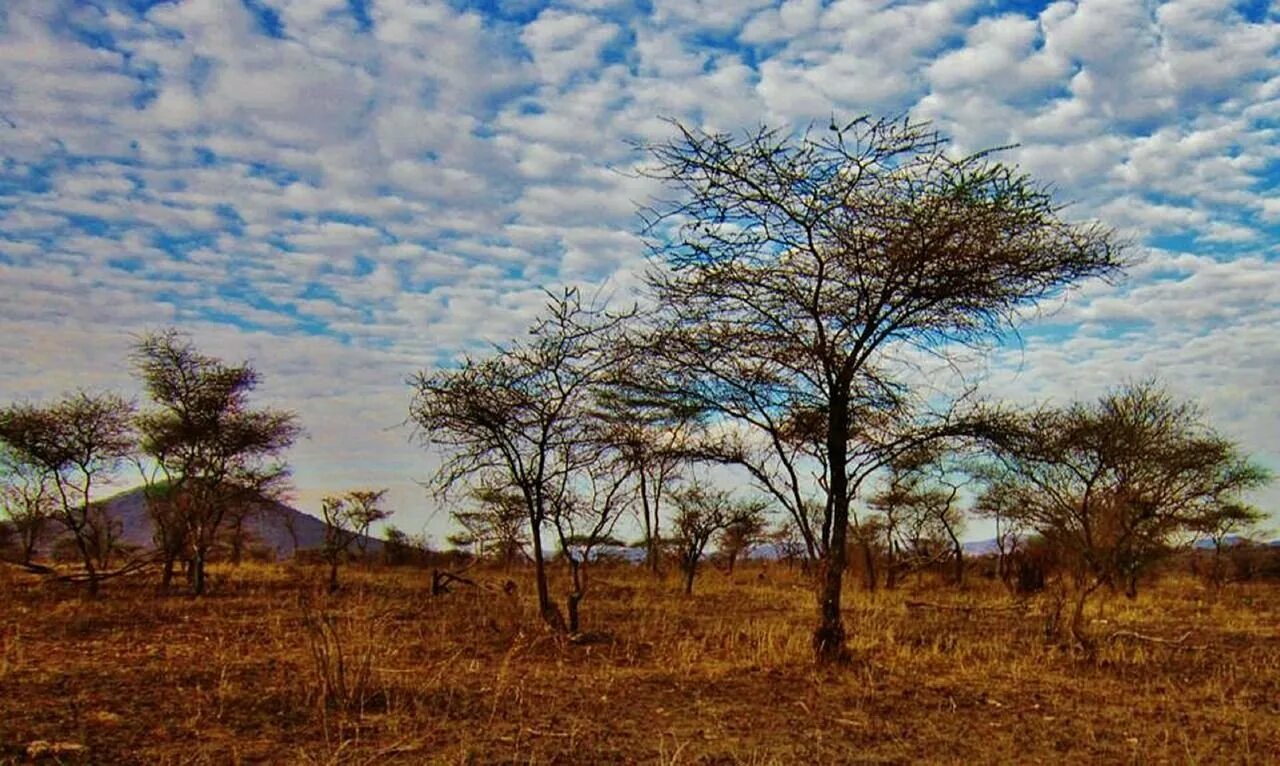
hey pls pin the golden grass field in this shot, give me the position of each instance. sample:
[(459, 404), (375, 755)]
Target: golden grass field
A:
[(723, 677)]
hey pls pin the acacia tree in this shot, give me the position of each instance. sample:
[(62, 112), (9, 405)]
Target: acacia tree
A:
[(79, 442), (701, 513), (583, 514), (27, 499), (998, 502), (921, 513), (739, 536), (497, 526), (1111, 484), (1220, 525), (653, 443), (809, 270), (348, 519), (209, 453), (525, 413)]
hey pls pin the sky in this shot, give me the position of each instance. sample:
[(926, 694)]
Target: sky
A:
[(345, 192)]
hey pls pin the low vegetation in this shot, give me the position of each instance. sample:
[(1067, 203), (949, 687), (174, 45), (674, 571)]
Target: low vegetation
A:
[(273, 669), (795, 385)]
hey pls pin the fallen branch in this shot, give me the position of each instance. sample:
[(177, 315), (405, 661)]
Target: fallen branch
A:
[(961, 607), (1177, 643), (132, 567), (31, 567), (441, 580)]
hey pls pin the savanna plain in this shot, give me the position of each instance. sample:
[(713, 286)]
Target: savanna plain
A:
[(272, 668)]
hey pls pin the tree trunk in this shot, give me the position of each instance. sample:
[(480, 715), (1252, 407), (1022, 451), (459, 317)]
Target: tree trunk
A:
[(958, 551), (29, 544), (87, 556), (166, 579), (650, 527), (197, 571), (689, 573), (550, 614), (890, 568), (829, 637), (575, 597), (333, 575), (869, 576)]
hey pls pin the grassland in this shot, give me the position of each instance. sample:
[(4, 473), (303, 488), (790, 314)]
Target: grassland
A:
[(251, 674)]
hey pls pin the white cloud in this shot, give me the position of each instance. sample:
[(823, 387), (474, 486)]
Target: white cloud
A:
[(409, 188)]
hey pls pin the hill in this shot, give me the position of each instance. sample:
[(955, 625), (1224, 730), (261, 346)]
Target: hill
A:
[(272, 525)]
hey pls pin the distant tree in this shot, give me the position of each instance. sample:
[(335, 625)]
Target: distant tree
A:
[(347, 519), (787, 542), (583, 516), (525, 413), (397, 547), (808, 272), (921, 513), (1219, 525), (27, 498), (79, 442), (701, 513), (104, 531), (654, 443), (165, 508), (497, 526), (998, 501), (1110, 485), (739, 536), (209, 453)]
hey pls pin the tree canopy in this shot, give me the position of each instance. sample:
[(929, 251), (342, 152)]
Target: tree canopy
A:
[(807, 274)]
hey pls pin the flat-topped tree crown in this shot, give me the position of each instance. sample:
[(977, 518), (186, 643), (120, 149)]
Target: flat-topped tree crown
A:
[(205, 442), (804, 269)]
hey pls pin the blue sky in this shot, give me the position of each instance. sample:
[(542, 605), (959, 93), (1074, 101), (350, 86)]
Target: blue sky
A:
[(345, 191)]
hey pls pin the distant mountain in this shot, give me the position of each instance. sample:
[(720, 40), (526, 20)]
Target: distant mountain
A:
[(279, 528)]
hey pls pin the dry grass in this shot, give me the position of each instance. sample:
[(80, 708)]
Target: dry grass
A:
[(271, 669)]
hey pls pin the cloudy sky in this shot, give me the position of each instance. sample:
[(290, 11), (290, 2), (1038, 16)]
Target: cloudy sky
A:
[(346, 191)]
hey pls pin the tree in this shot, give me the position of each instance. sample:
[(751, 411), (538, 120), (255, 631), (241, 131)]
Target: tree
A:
[(583, 515), (1110, 485), (921, 513), (739, 536), (27, 499), (1224, 526), (653, 442), (525, 413), (497, 526), (701, 513), (811, 273), (347, 520), (79, 442), (209, 452), (998, 501)]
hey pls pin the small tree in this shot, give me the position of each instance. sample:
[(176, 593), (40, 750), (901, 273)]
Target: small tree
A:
[(209, 453), (653, 442), (583, 517), (739, 536), (347, 520), (526, 414), (701, 513), (79, 442), (921, 515), (497, 527), (1110, 485), (998, 501), (1220, 525), (27, 498)]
